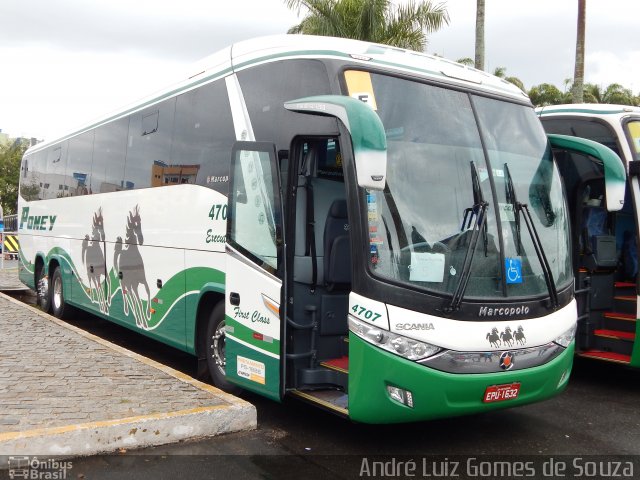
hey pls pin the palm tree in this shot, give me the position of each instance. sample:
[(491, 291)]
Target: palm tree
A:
[(616, 93), (378, 21), (469, 62), (592, 93), (578, 75), (546, 94), (480, 34), (501, 72)]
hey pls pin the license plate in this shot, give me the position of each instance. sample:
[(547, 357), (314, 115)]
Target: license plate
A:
[(501, 393)]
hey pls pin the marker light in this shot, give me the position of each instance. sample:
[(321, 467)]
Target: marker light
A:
[(404, 397), (567, 337), (392, 342)]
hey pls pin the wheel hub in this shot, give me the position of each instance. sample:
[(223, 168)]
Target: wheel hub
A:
[(218, 347)]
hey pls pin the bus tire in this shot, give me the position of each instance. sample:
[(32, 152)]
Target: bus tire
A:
[(43, 295), (215, 349), (59, 306)]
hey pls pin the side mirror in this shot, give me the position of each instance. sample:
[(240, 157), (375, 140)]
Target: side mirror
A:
[(366, 130), (614, 171)]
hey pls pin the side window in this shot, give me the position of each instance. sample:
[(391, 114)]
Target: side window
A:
[(109, 154), (79, 161), (584, 128), (56, 170), (33, 176), (149, 144), (202, 141), (254, 204), (267, 87)]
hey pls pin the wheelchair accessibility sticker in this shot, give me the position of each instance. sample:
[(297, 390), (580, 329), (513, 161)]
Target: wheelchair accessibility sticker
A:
[(513, 268)]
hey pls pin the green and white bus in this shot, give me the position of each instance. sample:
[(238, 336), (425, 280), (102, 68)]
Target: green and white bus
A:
[(376, 231), (605, 233)]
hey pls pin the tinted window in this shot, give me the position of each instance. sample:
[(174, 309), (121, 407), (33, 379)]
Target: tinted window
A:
[(109, 153), (576, 127), (255, 206), (203, 137), (79, 163), (56, 169), (148, 144), (267, 87), (34, 169)]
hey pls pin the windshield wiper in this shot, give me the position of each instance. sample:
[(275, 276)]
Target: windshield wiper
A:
[(510, 192), (537, 244), (479, 209)]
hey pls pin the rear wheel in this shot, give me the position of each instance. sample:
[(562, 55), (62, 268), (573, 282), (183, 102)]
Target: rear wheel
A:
[(43, 296), (216, 349), (58, 304)]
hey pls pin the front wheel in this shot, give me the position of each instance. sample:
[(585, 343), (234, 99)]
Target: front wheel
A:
[(216, 349)]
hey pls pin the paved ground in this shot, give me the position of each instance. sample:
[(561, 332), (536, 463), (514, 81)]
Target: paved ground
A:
[(65, 391), (9, 276)]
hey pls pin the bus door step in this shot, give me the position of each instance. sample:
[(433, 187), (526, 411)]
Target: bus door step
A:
[(606, 356), (338, 364), (620, 316), (615, 334), (333, 400)]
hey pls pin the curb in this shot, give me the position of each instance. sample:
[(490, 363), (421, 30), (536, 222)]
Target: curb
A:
[(157, 428)]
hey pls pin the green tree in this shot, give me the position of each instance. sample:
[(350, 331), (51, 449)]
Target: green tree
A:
[(10, 158), (592, 93), (479, 59), (616, 93), (516, 81), (379, 21), (502, 73), (578, 74), (546, 94), (466, 61)]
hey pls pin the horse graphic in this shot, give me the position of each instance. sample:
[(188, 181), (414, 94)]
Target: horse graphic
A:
[(494, 338), (506, 337), (93, 259), (128, 264), (519, 336)]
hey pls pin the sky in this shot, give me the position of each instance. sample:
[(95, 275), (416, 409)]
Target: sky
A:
[(64, 63)]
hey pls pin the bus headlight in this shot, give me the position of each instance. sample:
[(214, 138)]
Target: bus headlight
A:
[(567, 337), (391, 342)]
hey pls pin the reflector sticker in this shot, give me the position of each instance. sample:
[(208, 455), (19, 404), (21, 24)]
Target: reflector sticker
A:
[(251, 370)]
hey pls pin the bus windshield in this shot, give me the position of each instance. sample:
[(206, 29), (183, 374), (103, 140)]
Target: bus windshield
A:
[(460, 168)]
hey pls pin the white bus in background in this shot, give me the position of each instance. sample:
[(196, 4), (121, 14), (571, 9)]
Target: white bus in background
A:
[(376, 231), (605, 234)]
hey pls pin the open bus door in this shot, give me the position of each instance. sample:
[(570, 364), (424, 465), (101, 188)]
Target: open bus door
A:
[(634, 180), (255, 266), (256, 271), (595, 181)]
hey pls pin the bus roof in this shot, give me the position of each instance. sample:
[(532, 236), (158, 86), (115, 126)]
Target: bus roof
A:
[(587, 109), (249, 53)]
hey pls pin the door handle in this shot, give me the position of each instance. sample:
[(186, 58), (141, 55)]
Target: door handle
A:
[(234, 298)]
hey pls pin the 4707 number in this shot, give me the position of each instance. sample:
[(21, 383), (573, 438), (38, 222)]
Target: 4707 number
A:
[(364, 312)]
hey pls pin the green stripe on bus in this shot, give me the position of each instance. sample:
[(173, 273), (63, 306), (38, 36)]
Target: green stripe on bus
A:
[(252, 337)]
